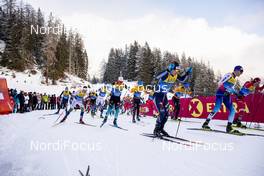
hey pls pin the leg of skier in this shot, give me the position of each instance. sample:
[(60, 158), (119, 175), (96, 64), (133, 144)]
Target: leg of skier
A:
[(138, 107), (164, 120), (66, 115), (99, 106), (109, 110), (229, 105), (159, 98), (81, 115), (117, 108), (73, 104), (178, 108), (241, 112), (59, 107), (134, 111), (218, 103)]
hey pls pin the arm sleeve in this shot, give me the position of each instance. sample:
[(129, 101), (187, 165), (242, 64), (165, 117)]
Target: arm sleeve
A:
[(229, 87), (225, 78), (247, 84), (186, 74), (162, 76), (183, 79)]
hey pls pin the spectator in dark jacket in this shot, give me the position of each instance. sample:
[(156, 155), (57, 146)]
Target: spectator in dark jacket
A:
[(21, 101), (52, 102), (34, 101), (30, 101)]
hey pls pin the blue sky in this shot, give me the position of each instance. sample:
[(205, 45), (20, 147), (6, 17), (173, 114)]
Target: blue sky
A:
[(226, 32)]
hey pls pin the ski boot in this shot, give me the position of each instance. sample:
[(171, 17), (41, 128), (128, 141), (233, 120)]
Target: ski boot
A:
[(240, 125), (157, 133), (164, 133), (81, 121), (133, 120), (104, 121), (138, 119), (231, 130), (205, 125), (177, 119), (114, 122), (101, 113)]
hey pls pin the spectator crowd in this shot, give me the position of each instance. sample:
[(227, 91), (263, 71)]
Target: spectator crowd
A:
[(31, 101)]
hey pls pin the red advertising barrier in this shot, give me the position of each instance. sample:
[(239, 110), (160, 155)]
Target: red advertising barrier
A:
[(200, 107)]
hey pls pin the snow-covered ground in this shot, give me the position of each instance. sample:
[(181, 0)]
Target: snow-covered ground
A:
[(69, 147), (30, 146)]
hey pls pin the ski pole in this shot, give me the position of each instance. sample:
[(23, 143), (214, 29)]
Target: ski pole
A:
[(178, 127), (180, 119)]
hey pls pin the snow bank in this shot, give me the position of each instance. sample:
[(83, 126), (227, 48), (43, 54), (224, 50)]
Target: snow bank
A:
[(27, 81), (113, 152)]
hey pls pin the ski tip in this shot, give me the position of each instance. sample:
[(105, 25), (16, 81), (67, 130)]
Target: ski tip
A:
[(85, 124), (56, 124)]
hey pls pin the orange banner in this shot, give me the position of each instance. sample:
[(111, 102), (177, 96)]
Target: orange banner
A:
[(5, 103)]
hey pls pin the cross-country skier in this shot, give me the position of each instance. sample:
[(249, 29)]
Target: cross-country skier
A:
[(179, 90), (137, 91), (92, 102), (127, 104), (115, 100), (225, 89), (65, 96), (78, 99), (151, 105), (248, 88), (182, 88), (101, 99), (166, 81)]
